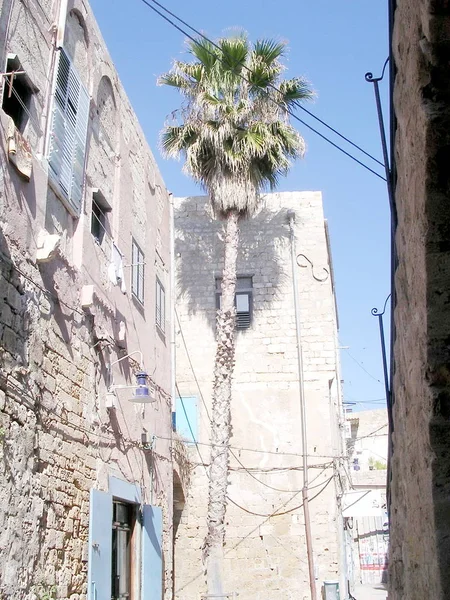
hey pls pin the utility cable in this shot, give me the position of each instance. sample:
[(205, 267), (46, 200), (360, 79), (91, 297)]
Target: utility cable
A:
[(279, 514), (293, 115), (202, 35), (363, 437), (42, 289), (199, 33), (190, 429), (273, 452), (362, 367), (209, 417), (263, 482), (295, 492)]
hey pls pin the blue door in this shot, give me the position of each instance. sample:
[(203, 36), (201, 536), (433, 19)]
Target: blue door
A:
[(152, 573), (100, 541)]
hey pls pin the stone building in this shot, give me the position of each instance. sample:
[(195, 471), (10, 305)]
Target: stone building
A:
[(265, 550), (86, 476), (420, 485)]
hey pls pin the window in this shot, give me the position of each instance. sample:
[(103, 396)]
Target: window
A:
[(184, 419), (17, 92), (243, 300), (99, 219), (137, 272), (122, 527), (160, 305), (68, 131)]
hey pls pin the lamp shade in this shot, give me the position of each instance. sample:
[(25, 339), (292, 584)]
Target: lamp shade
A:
[(142, 393)]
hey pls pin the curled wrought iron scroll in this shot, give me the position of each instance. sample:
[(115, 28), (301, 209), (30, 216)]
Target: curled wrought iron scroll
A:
[(321, 279), (376, 313)]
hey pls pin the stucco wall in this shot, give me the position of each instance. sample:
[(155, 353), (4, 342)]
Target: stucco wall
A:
[(265, 556), (57, 438), (420, 489)]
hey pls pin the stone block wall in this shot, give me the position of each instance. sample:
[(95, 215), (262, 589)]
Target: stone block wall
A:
[(420, 487), (58, 439), (265, 555)]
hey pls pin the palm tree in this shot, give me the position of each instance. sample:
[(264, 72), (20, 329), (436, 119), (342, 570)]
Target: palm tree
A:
[(235, 136)]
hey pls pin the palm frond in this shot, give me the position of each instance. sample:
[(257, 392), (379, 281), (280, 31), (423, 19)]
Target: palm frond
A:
[(295, 89), (268, 50), (204, 52), (234, 53)]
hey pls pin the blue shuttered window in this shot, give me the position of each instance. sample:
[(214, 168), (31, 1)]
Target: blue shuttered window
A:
[(100, 546), (67, 141), (186, 418), (152, 573)]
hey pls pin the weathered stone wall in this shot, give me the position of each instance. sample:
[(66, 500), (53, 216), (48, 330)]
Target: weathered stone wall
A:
[(57, 438), (420, 489), (265, 555)]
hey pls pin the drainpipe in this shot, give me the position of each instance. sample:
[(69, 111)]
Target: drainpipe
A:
[(5, 42), (309, 546), (172, 301), (61, 23)]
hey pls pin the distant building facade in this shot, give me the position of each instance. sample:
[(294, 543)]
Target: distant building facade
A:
[(365, 520), (86, 476), (265, 554)]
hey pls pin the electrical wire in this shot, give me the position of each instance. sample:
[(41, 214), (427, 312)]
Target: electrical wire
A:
[(293, 115), (272, 452), (209, 417), (190, 429), (202, 35), (23, 105), (279, 514), (362, 367), (54, 297), (296, 492), (363, 437), (263, 482), (192, 366)]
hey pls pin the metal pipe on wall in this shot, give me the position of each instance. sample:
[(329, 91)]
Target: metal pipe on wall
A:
[(309, 546)]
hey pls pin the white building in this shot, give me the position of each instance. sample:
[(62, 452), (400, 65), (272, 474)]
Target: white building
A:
[(265, 551)]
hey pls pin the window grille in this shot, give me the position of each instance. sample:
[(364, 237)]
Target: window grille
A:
[(137, 272), (160, 305)]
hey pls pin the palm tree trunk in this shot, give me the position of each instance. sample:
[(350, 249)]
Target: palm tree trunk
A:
[(221, 411)]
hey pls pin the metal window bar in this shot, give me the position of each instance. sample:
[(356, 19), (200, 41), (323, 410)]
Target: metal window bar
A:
[(98, 220), (137, 272), (8, 74), (160, 305), (25, 108)]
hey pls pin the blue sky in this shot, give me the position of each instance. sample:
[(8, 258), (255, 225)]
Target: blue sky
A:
[(333, 44)]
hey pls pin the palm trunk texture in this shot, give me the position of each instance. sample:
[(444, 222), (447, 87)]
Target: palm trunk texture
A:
[(221, 412)]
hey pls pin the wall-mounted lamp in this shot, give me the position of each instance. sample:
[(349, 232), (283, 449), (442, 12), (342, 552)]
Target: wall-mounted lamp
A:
[(142, 392)]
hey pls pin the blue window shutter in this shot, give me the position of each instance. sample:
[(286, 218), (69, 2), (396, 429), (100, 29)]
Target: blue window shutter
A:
[(186, 419), (67, 142), (152, 571), (100, 546)]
